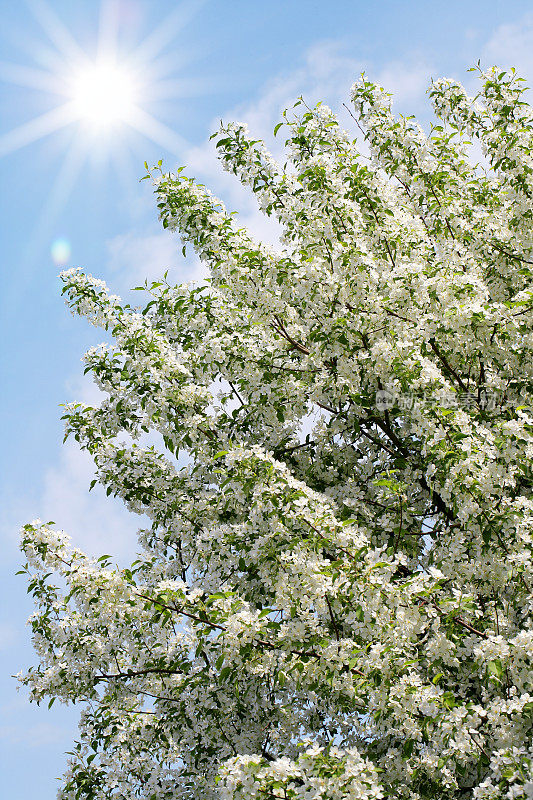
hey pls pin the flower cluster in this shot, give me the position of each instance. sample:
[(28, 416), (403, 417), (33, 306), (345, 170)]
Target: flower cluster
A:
[(333, 596)]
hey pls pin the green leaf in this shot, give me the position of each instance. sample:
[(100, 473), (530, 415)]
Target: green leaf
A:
[(495, 668), (408, 748), (448, 700)]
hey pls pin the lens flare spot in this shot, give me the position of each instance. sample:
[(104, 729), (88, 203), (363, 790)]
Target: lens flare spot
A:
[(60, 252)]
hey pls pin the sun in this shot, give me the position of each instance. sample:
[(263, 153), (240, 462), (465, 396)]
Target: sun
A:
[(104, 94)]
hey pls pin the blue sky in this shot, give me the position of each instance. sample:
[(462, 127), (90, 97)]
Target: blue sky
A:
[(73, 195)]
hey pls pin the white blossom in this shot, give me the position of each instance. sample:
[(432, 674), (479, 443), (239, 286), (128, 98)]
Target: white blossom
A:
[(333, 598)]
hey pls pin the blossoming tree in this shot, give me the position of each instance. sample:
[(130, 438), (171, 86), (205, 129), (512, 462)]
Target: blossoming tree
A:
[(333, 598)]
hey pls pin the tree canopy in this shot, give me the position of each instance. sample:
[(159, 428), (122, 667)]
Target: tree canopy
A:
[(334, 597)]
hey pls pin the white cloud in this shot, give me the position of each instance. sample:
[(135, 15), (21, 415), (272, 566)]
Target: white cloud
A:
[(511, 45), (326, 74), (134, 258), (96, 523), (82, 389), (408, 82)]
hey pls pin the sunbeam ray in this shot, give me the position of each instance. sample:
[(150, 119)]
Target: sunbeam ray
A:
[(64, 181), (30, 77), (105, 94), (108, 24), (58, 34), (159, 133), (55, 202), (37, 128), (59, 194), (156, 41), (124, 162)]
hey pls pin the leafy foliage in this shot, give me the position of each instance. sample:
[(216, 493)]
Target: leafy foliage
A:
[(333, 599)]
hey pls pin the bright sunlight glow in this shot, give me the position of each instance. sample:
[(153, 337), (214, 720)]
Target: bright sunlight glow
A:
[(103, 94)]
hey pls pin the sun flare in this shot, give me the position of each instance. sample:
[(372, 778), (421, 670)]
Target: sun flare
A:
[(104, 94), (104, 101)]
